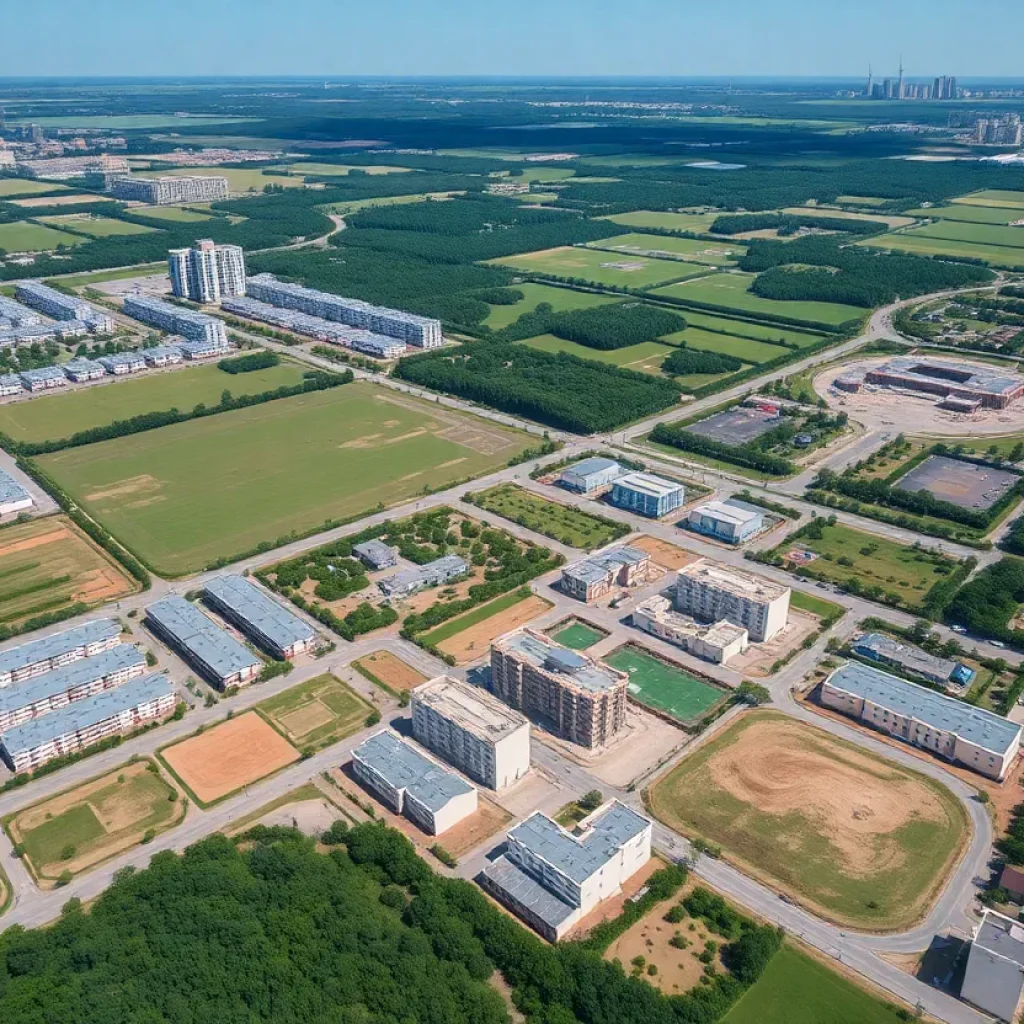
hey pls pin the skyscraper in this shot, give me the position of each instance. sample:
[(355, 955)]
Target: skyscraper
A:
[(207, 272)]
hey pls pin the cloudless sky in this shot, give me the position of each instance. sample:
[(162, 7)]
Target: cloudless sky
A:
[(979, 38)]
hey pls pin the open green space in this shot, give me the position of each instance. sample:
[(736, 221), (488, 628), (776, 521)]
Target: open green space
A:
[(969, 214), (117, 122), (355, 205), (663, 686), (1000, 256), (861, 201), (713, 254), (598, 267), (747, 349), (698, 223), (577, 635), (759, 331), (985, 234), (185, 495), (21, 236), (311, 167), (28, 186), (805, 602), (96, 227), (316, 713), (178, 214), (994, 197), (479, 614), (98, 276), (646, 357), (560, 300)]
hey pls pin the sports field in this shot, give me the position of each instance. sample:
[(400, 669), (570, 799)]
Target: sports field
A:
[(698, 223), (664, 686), (560, 300), (1001, 256), (80, 827), (714, 254), (576, 634), (646, 357), (96, 227), (389, 671), (24, 237), (468, 637), (316, 713), (178, 214), (52, 417), (859, 839), (47, 564), (747, 349), (184, 495), (598, 267), (28, 186)]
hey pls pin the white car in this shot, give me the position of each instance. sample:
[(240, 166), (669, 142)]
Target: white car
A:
[(958, 629), (997, 643)]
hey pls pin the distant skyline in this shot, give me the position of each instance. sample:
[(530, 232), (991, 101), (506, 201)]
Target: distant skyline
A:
[(682, 38)]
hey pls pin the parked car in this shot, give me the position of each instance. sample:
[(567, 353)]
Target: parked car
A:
[(958, 629), (997, 643)]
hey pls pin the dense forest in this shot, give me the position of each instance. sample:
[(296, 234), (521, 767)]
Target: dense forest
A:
[(739, 455), (612, 327), (687, 360), (789, 224), (988, 602)]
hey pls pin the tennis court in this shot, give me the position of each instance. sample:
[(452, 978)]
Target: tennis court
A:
[(664, 686), (576, 634)]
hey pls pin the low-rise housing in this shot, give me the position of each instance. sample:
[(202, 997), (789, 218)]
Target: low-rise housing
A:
[(80, 370), (38, 656), (710, 591), (724, 521), (647, 494), (433, 574), (375, 554), (10, 384), (593, 577), (994, 981), (43, 379), (14, 314), (13, 497), (591, 475), (202, 349), (879, 647), (122, 363), (162, 355), (716, 641), (64, 167), (259, 616)]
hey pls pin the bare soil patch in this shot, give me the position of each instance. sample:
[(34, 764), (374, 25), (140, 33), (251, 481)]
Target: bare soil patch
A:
[(469, 833), (125, 488), (474, 642), (392, 671), (34, 542), (664, 554)]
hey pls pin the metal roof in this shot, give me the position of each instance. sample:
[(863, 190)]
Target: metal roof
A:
[(10, 489), (1001, 935), (905, 654), (83, 365), (374, 550), (584, 671), (588, 467), (600, 566), (526, 891), (648, 483), (201, 636), (43, 373), (726, 512), (59, 643), (983, 728), (972, 376), (251, 604), (405, 768)]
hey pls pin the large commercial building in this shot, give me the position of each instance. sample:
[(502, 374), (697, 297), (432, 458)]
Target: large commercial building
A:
[(412, 784), (432, 574), (64, 307), (948, 727), (591, 475), (259, 616), (568, 693), (710, 591), (592, 578), (87, 721), (212, 650), (994, 981), (716, 641), (207, 272), (911, 659), (192, 188), (724, 521), (413, 330), (472, 730), (33, 659), (647, 494), (13, 497), (65, 167), (552, 878), (167, 317)]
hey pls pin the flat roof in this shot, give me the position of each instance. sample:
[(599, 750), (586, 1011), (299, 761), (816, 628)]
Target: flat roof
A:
[(543, 653), (595, 464), (81, 714), (122, 359), (597, 567), (270, 618), (906, 654), (1001, 935), (974, 376), (57, 644), (726, 512), (477, 711), (200, 635), (648, 483), (581, 856), (722, 632), (734, 581), (10, 489), (43, 373), (525, 890), (405, 768), (80, 363), (983, 728), (373, 549)]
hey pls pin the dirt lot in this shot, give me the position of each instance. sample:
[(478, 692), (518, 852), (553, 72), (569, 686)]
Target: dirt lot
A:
[(668, 556), (472, 831), (391, 671), (229, 756), (474, 642), (758, 659)]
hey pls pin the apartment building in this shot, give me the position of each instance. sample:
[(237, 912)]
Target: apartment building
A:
[(566, 692), (165, 316), (14, 314), (122, 363), (710, 591), (410, 783), (552, 878), (79, 725), (211, 650), (207, 272), (262, 619), (472, 730), (162, 355), (994, 981), (81, 370), (65, 167), (192, 351), (33, 659), (43, 379), (10, 384), (594, 577), (64, 307), (432, 574), (959, 732), (13, 497), (726, 522), (647, 495), (591, 476), (167, 189), (716, 641)]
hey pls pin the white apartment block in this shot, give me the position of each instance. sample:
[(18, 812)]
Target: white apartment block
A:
[(64, 307), (167, 189), (162, 355), (710, 591), (472, 730), (122, 363), (207, 272), (62, 168), (33, 659), (166, 316), (81, 370), (717, 641), (10, 384)]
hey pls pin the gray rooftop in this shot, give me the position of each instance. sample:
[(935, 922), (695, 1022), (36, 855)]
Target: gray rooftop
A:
[(83, 365), (597, 567), (10, 489), (580, 857), (544, 653), (906, 654), (405, 768), (375, 550), (86, 712), (522, 888), (122, 359), (446, 567), (201, 636), (251, 604), (59, 643), (1002, 936), (595, 464), (43, 373), (974, 376), (989, 731)]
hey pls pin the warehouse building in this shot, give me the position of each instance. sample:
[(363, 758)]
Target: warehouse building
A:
[(122, 363), (259, 616), (80, 370), (433, 574), (410, 783), (594, 577), (189, 324), (568, 693), (43, 379), (375, 554), (168, 189), (212, 650), (74, 681), (85, 722), (13, 497), (32, 659), (472, 730), (716, 641), (60, 306), (994, 981), (959, 732), (710, 591), (591, 476), (725, 521), (552, 878), (912, 660), (647, 494), (162, 355)]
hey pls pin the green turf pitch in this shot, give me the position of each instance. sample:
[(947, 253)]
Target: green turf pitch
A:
[(577, 636), (662, 686)]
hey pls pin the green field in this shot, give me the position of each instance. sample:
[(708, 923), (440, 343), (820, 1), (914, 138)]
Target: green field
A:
[(861, 201), (576, 635), (355, 205), (731, 291), (116, 122), (747, 349), (28, 186), (317, 713), (52, 417), (814, 604), (712, 254), (185, 495), (970, 214), (646, 357), (760, 332), (598, 267), (985, 234), (698, 223), (21, 236), (311, 167), (178, 214), (98, 276), (96, 227), (549, 518), (664, 687), (560, 299), (994, 197), (891, 219), (479, 614), (999, 256)]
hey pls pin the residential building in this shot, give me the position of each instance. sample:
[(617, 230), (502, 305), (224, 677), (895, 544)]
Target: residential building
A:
[(162, 355), (472, 730), (188, 323), (594, 577), (994, 981), (80, 370), (433, 574), (212, 650), (1012, 880), (959, 732), (716, 641), (43, 379), (13, 497), (264, 620), (122, 363), (167, 189), (202, 349), (207, 272), (552, 878), (10, 384), (710, 591), (724, 521), (38, 656), (64, 307), (647, 494), (568, 693), (14, 314), (410, 783), (375, 554), (591, 475), (87, 721), (63, 168), (911, 659)]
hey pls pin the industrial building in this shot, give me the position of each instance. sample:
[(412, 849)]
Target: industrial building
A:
[(716, 641), (122, 363), (259, 616), (913, 660), (59, 306), (552, 878), (87, 721), (568, 693), (42, 379), (710, 591), (647, 494), (38, 656), (410, 783), (994, 981), (80, 370), (189, 324), (207, 272), (167, 189), (13, 497), (420, 331), (472, 730), (591, 476), (212, 650), (594, 577), (959, 732), (162, 355), (724, 521), (432, 574), (375, 554)]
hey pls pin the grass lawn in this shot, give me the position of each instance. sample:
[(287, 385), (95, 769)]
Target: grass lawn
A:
[(121, 274), (597, 267), (28, 186), (51, 417), (970, 214), (316, 713), (97, 227), (24, 237), (188, 494), (576, 635), (697, 222), (1001, 256), (549, 518), (646, 357), (994, 197), (758, 331), (861, 200), (560, 299), (892, 220), (663, 686), (178, 214), (731, 291), (714, 254), (815, 605), (747, 349), (986, 234)]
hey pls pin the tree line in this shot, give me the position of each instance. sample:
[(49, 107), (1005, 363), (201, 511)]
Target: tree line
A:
[(987, 603), (260, 360), (684, 361), (738, 455), (790, 223)]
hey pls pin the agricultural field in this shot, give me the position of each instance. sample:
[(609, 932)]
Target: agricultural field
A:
[(758, 331), (598, 267), (985, 234), (311, 167), (747, 349), (176, 214), (28, 186), (560, 300), (861, 201), (468, 637), (47, 564), (994, 197), (713, 254), (185, 495), (969, 214), (21, 236), (1001, 256), (576, 634), (859, 839), (892, 220), (646, 357), (317, 713), (698, 223), (95, 227), (388, 671), (77, 829)]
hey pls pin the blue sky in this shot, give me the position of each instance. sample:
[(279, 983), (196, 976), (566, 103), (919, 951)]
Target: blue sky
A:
[(524, 37)]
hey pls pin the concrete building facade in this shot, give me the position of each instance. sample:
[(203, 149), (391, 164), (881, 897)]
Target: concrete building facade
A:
[(64, 307), (169, 188), (591, 476), (710, 591), (647, 494), (725, 522), (207, 272), (594, 577), (717, 641), (38, 656), (264, 620), (193, 326)]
